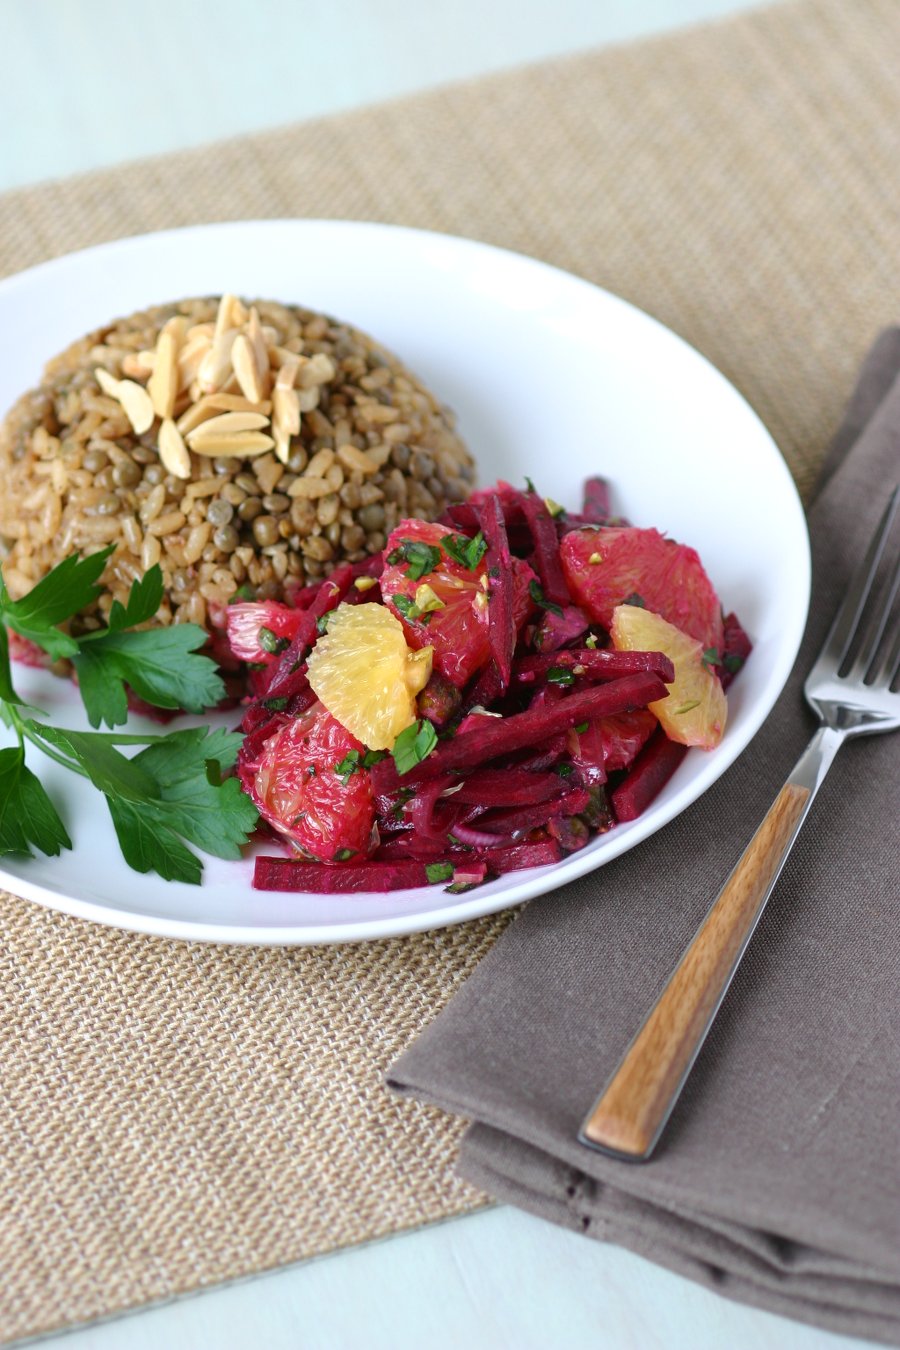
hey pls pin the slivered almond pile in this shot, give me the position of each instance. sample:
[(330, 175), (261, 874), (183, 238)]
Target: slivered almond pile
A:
[(220, 389)]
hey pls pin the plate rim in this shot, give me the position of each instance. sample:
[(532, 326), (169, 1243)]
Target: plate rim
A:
[(482, 903)]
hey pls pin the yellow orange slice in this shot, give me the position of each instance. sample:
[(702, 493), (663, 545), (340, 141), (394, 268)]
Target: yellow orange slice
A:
[(695, 711), (365, 674)]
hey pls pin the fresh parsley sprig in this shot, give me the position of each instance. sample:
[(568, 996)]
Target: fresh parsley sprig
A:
[(171, 793)]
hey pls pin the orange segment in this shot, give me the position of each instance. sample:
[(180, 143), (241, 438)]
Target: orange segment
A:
[(695, 711), (365, 674)]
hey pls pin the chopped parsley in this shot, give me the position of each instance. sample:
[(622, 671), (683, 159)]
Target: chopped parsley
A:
[(711, 658), (560, 675), (733, 663), (467, 552), (636, 600), (408, 609), (537, 595), (582, 728), (344, 855), (421, 557), (413, 744), (439, 871), (353, 761)]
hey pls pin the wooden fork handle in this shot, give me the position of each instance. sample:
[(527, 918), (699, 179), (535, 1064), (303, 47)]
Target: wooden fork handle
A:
[(634, 1106)]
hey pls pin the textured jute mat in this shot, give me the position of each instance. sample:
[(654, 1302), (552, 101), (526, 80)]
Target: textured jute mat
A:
[(172, 1115)]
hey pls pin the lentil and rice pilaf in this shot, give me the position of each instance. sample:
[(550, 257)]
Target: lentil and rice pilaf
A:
[(235, 444)]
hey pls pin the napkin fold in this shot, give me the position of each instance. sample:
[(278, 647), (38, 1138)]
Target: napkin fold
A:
[(777, 1181)]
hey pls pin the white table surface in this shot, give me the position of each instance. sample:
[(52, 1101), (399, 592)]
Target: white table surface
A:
[(190, 71)]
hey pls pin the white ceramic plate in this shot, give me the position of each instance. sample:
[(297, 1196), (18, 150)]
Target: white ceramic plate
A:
[(551, 377)]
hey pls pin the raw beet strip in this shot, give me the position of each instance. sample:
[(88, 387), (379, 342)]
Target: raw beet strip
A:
[(485, 691), (287, 874), (551, 750), (502, 735), (517, 856), (286, 678), (546, 549), (603, 664), (736, 647), (596, 500), (647, 777), (498, 561), (522, 819), (408, 848), (508, 787)]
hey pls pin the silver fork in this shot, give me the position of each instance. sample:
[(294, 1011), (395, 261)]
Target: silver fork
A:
[(849, 688)]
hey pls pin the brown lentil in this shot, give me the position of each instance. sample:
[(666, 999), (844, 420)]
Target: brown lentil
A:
[(265, 530), (219, 512), (226, 538)]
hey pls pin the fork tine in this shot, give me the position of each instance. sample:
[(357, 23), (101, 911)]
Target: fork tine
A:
[(869, 650), (843, 630)]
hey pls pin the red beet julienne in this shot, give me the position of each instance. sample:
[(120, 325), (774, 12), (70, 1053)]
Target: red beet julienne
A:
[(498, 559), (500, 736), (594, 664), (546, 549)]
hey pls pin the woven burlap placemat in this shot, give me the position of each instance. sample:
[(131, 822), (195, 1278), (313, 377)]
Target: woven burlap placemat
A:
[(172, 1115)]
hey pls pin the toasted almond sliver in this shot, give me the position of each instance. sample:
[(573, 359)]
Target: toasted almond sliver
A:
[(173, 452), (282, 442), (237, 403), (196, 413), (286, 410), (239, 314), (215, 368), (224, 319), (256, 333), (136, 402), (227, 424), (163, 383), (190, 358), (177, 326), (356, 460), (246, 368), (247, 443), (138, 365), (210, 405), (287, 375), (308, 487), (108, 383), (279, 356)]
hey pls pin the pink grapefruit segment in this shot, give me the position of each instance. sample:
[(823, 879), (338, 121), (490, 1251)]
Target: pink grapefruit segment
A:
[(609, 566)]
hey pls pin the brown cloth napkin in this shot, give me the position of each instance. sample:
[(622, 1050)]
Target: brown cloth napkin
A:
[(777, 1181)]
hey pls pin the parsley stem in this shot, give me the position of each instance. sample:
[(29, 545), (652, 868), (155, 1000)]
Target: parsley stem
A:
[(52, 753)]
